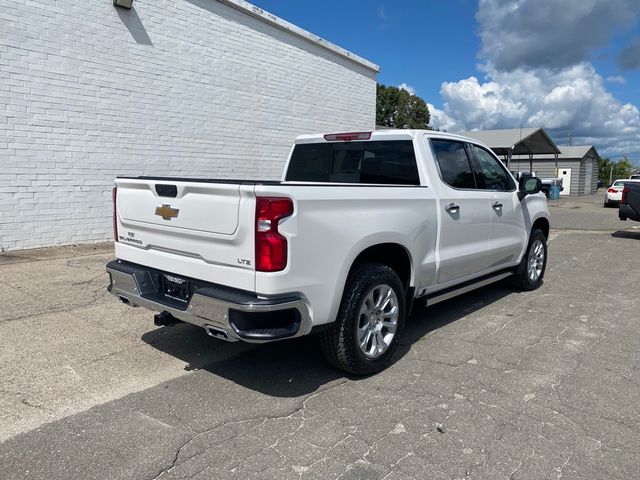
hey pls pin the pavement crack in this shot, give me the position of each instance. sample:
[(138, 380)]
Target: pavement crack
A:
[(561, 468), (521, 464), (298, 408), (26, 402)]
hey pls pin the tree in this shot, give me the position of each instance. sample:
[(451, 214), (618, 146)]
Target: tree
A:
[(609, 170), (397, 108)]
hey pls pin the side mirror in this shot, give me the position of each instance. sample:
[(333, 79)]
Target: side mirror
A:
[(529, 186)]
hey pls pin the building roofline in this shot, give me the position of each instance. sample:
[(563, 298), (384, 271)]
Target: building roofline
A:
[(278, 22), (566, 153)]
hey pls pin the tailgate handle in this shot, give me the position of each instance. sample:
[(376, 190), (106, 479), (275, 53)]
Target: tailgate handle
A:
[(167, 190)]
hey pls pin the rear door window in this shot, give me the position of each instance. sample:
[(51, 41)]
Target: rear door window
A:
[(375, 162), (454, 164)]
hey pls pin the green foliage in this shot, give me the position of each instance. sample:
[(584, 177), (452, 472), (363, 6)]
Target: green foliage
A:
[(397, 108), (609, 170)]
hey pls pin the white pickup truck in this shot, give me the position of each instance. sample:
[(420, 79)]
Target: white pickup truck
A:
[(360, 226)]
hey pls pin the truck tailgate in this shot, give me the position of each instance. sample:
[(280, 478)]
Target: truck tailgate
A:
[(187, 227)]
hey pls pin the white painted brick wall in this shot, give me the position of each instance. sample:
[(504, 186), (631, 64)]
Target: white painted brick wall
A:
[(173, 87)]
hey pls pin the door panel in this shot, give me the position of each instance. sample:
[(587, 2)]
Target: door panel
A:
[(464, 232), (507, 231), (464, 235)]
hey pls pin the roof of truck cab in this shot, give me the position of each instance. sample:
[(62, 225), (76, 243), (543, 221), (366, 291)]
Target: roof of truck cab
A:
[(530, 141), (385, 134)]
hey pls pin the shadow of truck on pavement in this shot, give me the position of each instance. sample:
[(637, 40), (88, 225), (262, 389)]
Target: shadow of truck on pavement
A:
[(296, 367)]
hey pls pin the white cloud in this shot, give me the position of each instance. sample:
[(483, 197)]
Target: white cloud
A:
[(381, 13), (617, 79), (570, 101), (536, 74), (408, 88), (440, 119)]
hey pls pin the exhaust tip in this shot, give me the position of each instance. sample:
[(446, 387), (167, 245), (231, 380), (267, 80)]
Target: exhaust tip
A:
[(216, 332)]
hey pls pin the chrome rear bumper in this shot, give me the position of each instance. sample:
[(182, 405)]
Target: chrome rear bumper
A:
[(223, 312)]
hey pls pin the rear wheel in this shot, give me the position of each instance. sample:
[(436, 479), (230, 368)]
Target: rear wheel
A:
[(530, 272), (370, 321)]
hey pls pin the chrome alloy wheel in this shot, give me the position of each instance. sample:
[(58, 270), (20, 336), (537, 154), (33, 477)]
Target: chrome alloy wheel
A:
[(536, 260), (377, 321)]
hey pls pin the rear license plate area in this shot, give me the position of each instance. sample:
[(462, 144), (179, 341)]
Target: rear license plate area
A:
[(175, 288)]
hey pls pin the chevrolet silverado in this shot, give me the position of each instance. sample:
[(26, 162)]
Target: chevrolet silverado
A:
[(360, 226)]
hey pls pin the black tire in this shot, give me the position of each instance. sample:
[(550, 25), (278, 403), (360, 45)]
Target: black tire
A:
[(340, 342), (522, 278)]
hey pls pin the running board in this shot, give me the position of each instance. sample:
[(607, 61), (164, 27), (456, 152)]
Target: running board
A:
[(465, 287)]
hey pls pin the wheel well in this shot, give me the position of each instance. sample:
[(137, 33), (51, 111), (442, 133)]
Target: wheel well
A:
[(543, 225), (392, 255)]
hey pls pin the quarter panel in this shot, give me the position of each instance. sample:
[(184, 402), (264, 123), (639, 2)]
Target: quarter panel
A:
[(332, 225)]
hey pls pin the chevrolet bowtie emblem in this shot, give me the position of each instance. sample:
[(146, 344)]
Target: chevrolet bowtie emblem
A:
[(166, 212)]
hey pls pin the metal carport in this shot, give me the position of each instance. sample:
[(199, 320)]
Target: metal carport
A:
[(516, 141)]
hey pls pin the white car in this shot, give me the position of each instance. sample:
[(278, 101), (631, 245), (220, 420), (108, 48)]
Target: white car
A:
[(360, 225), (613, 194)]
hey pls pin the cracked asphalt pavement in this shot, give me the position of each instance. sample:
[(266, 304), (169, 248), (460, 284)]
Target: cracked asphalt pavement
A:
[(493, 384)]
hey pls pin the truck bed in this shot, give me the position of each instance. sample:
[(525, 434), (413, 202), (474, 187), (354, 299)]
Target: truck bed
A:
[(264, 182)]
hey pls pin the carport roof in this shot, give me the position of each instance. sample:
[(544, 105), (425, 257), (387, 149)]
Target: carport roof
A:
[(522, 141), (566, 153)]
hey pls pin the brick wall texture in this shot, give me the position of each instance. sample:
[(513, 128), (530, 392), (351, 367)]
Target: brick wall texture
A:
[(189, 88)]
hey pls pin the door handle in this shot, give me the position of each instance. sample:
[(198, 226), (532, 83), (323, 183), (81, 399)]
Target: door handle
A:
[(496, 205), (452, 208)]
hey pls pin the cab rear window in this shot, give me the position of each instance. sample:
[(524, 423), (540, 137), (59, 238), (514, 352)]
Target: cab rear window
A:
[(376, 162)]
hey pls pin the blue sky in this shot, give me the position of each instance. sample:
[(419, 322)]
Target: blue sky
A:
[(570, 66)]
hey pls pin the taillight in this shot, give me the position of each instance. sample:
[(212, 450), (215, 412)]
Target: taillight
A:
[(271, 247), (612, 190), (625, 190), (347, 137), (114, 196)]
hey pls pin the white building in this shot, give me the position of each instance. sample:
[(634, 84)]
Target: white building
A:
[(209, 88)]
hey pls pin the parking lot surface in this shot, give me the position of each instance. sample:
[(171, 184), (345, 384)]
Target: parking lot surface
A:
[(493, 384)]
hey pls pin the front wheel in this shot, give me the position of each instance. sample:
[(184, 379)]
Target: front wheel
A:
[(370, 320), (530, 272)]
